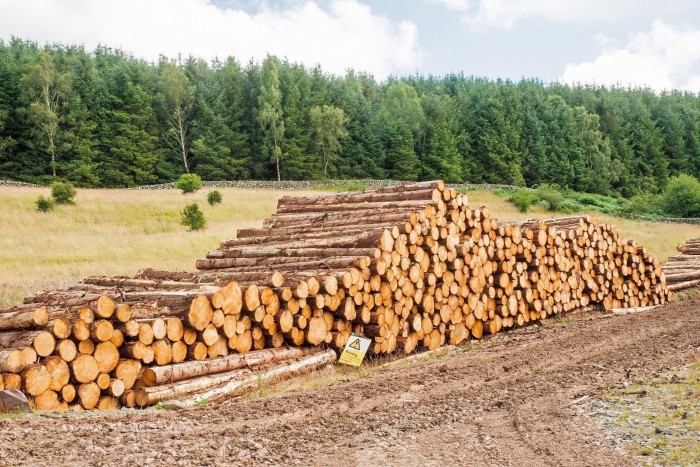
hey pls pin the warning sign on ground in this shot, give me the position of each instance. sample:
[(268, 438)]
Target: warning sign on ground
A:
[(355, 350)]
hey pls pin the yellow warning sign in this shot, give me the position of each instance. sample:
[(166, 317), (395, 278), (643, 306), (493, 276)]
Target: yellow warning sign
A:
[(355, 350)]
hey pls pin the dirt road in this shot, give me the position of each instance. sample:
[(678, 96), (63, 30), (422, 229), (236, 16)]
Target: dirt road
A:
[(510, 401)]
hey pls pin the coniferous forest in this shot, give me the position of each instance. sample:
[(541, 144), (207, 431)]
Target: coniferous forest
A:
[(103, 118)]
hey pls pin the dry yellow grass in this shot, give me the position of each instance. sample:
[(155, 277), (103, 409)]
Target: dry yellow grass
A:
[(114, 232), (118, 232)]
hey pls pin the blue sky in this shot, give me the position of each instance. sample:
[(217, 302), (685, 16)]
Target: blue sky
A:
[(639, 42)]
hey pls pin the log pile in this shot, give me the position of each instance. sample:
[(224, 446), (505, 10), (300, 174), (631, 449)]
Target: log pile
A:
[(407, 266), (683, 271)]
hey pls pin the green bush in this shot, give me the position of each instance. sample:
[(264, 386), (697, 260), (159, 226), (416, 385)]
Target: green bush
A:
[(503, 193), (63, 193), (193, 217), (523, 199), (189, 183), (643, 204), (681, 198), (214, 197), (551, 196), (44, 204), (569, 206)]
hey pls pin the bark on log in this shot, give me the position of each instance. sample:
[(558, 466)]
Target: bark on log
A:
[(152, 395), (167, 374)]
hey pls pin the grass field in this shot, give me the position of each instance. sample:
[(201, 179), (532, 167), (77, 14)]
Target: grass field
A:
[(114, 232), (118, 232)]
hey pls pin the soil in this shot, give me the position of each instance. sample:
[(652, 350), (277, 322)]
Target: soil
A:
[(516, 399)]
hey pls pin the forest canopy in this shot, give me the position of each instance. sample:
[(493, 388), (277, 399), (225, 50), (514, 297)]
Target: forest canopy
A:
[(103, 118)]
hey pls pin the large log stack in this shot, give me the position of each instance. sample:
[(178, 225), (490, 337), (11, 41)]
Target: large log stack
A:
[(407, 266), (683, 271)]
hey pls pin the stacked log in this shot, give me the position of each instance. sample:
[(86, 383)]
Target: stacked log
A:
[(683, 271), (407, 266)]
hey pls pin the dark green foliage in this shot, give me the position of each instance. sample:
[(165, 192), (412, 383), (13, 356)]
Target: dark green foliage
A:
[(45, 204), (550, 196), (569, 206), (681, 198), (523, 199), (63, 193), (214, 197), (189, 183), (193, 218), (116, 121)]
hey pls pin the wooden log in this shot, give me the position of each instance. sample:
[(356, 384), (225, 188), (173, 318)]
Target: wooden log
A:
[(200, 313), (59, 372), (281, 264), (61, 327), (36, 379), (102, 381), (12, 361), (128, 371), (429, 193), (105, 307), (682, 277), (30, 355), (106, 355), (89, 395), (116, 387), (220, 381), (101, 330), (86, 346), (68, 393), (154, 376), (84, 368), (13, 381), (683, 285), (108, 403), (24, 319)]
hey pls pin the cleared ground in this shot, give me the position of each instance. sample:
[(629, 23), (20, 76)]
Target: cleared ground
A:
[(523, 398), (118, 232)]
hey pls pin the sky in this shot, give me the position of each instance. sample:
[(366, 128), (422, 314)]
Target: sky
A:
[(654, 43)]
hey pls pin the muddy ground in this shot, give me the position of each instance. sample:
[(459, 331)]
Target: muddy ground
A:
[(517, 399)]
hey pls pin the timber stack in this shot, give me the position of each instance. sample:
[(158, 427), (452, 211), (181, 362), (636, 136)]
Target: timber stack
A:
[(683, 271), (407, 266)]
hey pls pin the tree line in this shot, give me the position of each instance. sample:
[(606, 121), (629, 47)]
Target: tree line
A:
[(103, 118)]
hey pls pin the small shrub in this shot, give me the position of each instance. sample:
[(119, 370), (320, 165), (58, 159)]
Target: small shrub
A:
[(63, 193), (569, 206), (522, 199), (44, 204), (193, 217), (214, 197), (681, 198), (551, 195), (503, 193), (643, 204), (189, 183)]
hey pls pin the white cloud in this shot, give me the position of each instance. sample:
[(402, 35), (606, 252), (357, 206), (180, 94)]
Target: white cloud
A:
[(342, 34), (663, 58), (505, 14)]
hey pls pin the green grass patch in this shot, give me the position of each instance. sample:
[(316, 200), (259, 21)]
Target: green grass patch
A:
[(341, 187), (658, 420)]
